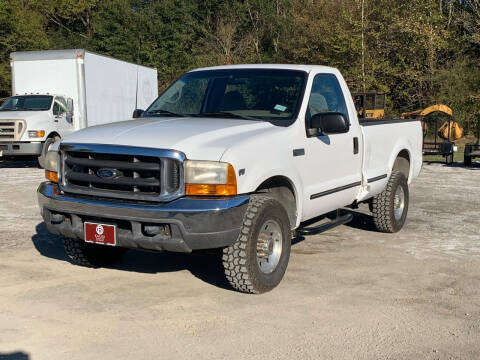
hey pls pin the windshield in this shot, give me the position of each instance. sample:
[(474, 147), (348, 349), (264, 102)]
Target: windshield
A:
[(255, 94), (27, 102)]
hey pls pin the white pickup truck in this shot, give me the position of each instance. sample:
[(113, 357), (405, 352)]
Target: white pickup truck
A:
[(230, 157)]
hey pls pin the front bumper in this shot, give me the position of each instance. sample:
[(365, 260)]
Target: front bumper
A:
[(20, 148), (195, 223)]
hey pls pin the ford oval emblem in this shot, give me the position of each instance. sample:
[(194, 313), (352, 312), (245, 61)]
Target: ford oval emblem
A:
[(106, 173)]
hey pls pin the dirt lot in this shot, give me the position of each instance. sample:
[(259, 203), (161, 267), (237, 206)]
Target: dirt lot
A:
[(348, 294)]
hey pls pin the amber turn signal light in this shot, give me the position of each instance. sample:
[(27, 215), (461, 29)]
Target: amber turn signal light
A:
[(52, 176), (228, 189), (36, 133)]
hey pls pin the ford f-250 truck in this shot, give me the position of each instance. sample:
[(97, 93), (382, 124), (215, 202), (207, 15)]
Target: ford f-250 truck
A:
[(230, 157)]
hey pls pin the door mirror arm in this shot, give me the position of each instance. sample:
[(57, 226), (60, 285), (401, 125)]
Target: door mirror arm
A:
[(137, 113)]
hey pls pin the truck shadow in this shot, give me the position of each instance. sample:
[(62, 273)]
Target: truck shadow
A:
[(361, 221), (18, 163), (206, 266), (17, 355)]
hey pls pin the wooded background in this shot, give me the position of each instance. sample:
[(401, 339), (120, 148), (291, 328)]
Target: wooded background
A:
[(419, 51)]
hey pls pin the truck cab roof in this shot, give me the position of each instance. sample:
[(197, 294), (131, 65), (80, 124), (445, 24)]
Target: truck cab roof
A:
[(39, 94), (306, 68)]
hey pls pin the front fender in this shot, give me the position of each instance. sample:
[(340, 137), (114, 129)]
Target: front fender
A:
[(251, 174)]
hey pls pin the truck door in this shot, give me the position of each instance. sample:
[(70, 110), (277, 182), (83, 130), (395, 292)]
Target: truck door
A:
[(63, 124), (332, 172)]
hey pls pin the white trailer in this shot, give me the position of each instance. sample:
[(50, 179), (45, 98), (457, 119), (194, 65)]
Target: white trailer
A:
[(56, 92)]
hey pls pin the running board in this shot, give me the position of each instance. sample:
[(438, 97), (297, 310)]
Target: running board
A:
[(340, 220)]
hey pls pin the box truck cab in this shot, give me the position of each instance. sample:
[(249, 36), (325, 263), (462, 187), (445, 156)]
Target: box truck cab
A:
[(31, 121), (57, 92)]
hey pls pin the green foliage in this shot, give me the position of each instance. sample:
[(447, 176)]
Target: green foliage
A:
[(420, 52)]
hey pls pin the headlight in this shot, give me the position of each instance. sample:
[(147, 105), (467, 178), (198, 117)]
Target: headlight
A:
[(209, 178), (51, 166), (36, 133)]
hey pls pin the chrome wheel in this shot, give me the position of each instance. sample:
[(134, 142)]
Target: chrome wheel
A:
[(269, 246), (399, 203)]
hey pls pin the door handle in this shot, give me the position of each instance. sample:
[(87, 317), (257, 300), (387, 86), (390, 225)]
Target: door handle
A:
[(355, 145)]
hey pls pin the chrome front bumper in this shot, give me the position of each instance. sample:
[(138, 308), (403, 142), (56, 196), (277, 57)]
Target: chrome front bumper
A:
[(194, 223), (20, 148)]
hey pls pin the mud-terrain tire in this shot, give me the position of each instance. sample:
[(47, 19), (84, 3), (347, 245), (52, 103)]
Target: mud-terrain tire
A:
[(46, 145), (390, 207), (91, 255), (265, 234)]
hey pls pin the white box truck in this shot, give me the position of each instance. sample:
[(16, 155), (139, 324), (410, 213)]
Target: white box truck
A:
[(57, 92)]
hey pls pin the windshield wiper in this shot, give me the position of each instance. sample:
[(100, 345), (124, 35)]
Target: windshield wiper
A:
[(164, 112), (227, 114)]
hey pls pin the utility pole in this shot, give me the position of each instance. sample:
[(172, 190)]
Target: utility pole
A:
[(363, 45)]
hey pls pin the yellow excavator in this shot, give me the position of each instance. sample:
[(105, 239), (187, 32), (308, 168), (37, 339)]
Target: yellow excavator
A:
[(449, 131), (370, 105)]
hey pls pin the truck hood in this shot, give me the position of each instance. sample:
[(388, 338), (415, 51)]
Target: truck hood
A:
[(197, 138), (25, 115)]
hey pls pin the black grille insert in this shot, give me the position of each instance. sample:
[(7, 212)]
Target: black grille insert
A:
[(141, 177)]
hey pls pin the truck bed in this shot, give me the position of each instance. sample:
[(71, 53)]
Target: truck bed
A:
[(383, 140)]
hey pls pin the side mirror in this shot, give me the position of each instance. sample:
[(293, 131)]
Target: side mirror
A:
[(329, 123), (69, 114), (137, 113)]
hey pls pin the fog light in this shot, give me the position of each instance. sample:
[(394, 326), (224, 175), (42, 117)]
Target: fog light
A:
[(155, 229)]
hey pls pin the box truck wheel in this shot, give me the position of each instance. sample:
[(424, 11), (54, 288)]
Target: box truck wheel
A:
[(449, 159), (91, 255), (390, 207), (46, 145), (258, 259)]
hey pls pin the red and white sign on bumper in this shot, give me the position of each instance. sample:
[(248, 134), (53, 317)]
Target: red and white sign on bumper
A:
[(100, 233)]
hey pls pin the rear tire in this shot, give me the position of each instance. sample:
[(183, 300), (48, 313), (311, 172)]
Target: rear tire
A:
[(258, 259), (390, 207), (91, 255), (46, 145)]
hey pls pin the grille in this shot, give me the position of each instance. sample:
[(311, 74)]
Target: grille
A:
[(12, 130), (122, 172)]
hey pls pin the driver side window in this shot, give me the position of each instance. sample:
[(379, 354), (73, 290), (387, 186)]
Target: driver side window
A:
[(326, 96)]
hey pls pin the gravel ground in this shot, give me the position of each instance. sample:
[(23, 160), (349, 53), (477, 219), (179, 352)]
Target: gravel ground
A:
[(350, 293)]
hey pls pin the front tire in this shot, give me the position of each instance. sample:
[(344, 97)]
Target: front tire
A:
[(257, 261), (91, 255), (46, 146), (390, 207)]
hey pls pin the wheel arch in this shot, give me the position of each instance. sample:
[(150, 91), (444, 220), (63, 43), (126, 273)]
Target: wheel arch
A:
[(403, 163), (283, 190), (53, 134)]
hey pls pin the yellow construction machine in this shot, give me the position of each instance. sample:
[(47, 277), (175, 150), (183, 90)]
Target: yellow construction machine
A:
[(449, 131), (370, 105)]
